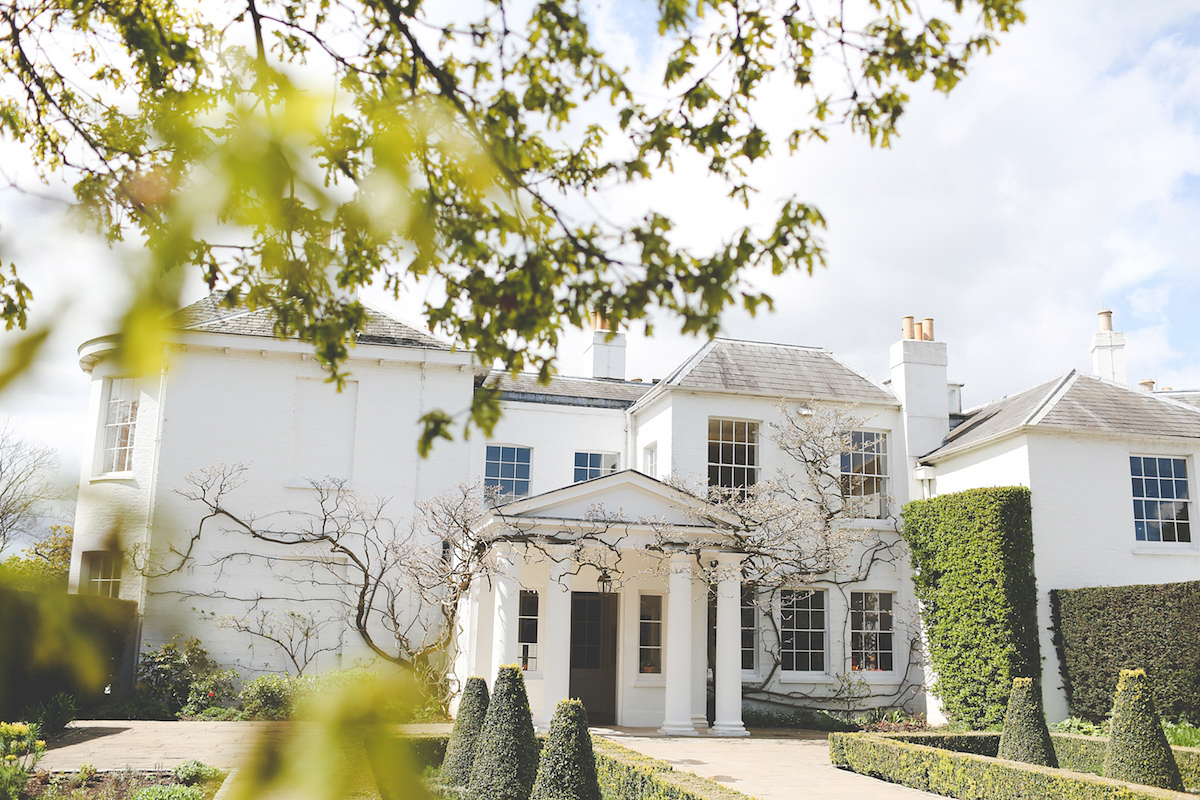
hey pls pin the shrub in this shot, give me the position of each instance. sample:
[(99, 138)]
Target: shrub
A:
[(213, 689), (1137, 748), (167, 674), (169, 793), (568, 766), (1026, 737), (506, 759), (802, 718), (972, 555), (190, 772), (1100, 631), (974, 777), (269, 697), (55, 714), (20, 751), (460, 752)]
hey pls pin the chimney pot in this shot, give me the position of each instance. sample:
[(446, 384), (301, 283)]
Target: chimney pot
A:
[(1147, 385), (918, 331), (1105, 320), (927, 326), (906, 328)]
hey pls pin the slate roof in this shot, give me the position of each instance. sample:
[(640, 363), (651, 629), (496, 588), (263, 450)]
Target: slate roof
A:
[(210, 316), (592, 392), (775, 370), (1075, 402)]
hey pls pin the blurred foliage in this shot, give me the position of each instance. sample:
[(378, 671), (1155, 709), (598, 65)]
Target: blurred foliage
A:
[(295, 149), (44, 566)]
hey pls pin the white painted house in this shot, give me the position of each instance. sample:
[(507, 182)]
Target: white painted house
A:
[(649, 642)]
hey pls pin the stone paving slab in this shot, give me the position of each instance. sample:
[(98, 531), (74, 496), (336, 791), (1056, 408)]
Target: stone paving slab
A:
[(149, 744), (767, 764)]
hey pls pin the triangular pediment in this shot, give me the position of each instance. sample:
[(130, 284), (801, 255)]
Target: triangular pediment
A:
[(627, 496)]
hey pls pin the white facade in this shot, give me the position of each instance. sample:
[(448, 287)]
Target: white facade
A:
[(684, 644)]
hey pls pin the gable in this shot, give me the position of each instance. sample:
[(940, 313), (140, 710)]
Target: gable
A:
[(629, 496)]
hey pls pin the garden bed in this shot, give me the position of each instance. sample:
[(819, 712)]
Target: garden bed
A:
[(117, 785), (964, 766)]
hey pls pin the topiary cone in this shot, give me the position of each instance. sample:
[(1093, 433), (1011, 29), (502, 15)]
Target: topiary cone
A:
[(568, 768), (1138, 751), (460, 750), (506, 759), (1026, 737)]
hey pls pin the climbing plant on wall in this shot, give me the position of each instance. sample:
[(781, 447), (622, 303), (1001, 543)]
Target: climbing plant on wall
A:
[(972, 557)]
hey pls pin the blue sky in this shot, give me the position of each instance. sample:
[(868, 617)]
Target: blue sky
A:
[(1062, 176)]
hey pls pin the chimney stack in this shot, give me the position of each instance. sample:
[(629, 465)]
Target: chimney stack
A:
[(919, 382), (608, 349), (1108, 351)]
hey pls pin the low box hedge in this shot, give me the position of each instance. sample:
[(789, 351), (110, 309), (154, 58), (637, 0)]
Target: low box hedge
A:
[(970, 776), (624, 774)]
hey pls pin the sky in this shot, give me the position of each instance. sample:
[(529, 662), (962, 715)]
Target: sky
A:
[(1061, 177)]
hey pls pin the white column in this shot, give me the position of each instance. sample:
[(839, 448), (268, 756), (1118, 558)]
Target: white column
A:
[(700, 648), (728, 678), (554, 649), (678, 667), (504, 623)]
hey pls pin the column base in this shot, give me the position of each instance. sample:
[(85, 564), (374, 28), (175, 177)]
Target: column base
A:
[(700, 722), (678, 730), (728, 729)]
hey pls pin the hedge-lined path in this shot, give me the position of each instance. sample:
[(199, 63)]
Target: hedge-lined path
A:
[(767, 764)]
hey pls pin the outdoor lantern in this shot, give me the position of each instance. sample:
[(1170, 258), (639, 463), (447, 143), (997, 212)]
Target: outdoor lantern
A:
[(605, 582)]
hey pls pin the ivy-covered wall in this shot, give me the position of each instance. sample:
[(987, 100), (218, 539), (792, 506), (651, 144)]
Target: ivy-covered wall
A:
[(972, 558), (1100, 631)]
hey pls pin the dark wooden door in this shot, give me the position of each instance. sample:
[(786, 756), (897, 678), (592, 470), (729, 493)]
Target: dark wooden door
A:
[(594, 654)]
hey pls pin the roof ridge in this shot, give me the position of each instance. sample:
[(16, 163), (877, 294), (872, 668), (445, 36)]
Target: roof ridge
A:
[(1052, 399), (771, 344)]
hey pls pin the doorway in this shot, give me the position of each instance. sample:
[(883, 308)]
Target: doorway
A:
[(594, 655)]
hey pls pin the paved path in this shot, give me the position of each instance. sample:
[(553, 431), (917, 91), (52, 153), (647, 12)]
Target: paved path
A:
[(768, 764)]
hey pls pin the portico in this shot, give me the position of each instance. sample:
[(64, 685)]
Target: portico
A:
[(588, 601)]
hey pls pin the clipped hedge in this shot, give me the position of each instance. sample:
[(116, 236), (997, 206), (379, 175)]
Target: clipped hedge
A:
[(460, 752), (567, 770), (51, 643), (972, 557), (1137, 747), (623, 774), (626, 774), (506, 756), (974, 777), (1074, 752), (1026, 737), (1100, 631)]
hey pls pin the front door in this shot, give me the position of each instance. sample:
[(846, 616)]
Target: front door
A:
[(594, 654)]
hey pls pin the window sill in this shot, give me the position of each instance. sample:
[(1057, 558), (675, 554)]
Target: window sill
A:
[(1169, 549), (647, 680), (874, 675), (806, 677), (113, 476)]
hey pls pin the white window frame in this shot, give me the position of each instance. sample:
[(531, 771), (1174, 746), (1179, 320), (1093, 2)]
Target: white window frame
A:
[(527, 651), (650, 460), (116, 453), (861, 626), (727, 460), (864, 505), (824, 631), (496, 481), (755, 599), (653, 677), (1181, 507), (609, 463), (100, 572)]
